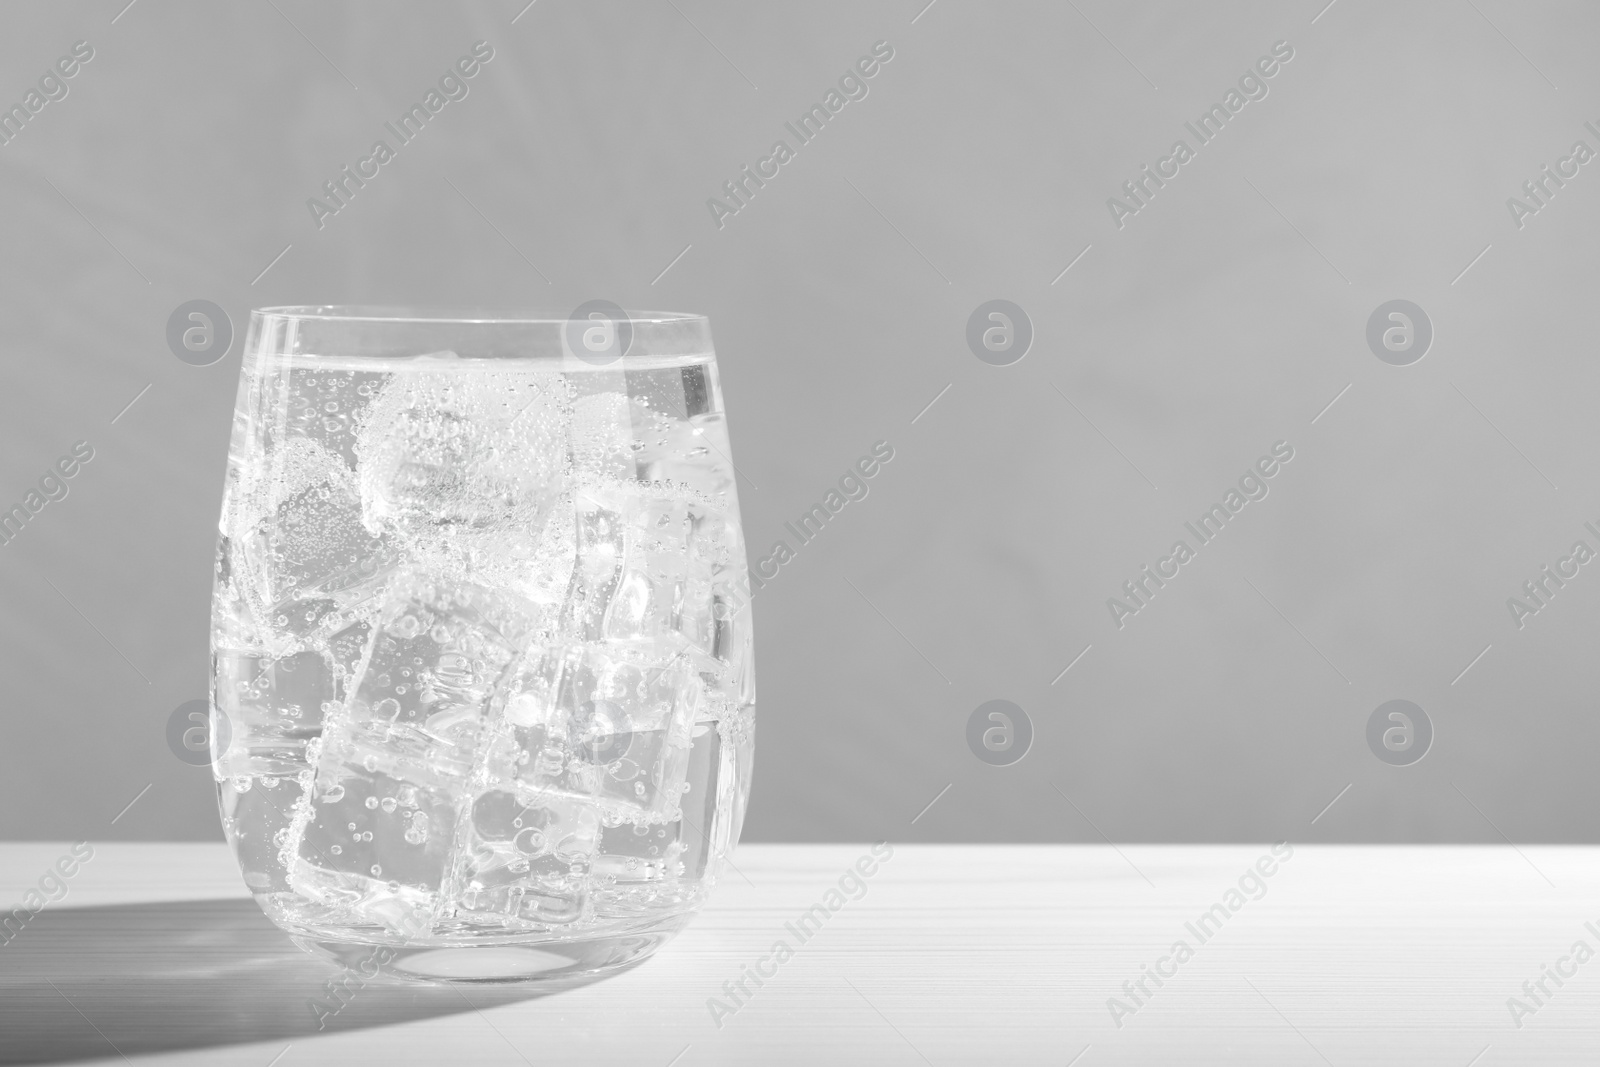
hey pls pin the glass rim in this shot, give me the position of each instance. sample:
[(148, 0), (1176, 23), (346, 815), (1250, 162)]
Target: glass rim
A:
[(453, 315)]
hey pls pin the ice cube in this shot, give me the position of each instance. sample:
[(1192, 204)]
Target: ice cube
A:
[(651, 589), (704, 834), (681, 849), (601, 541), (310, 557), (301, 464), (256, 814), (377, 834), (432, 662), (346, 649), (681, 432), (536, 565), (693, 455), (602, 435), (639, 852), (676, 551), (527, 858), (683, 392), (328, 406), (607, 723), (372, 843), (732, 648), (291, 465), (274, 706), (646, 567), (463, 452)]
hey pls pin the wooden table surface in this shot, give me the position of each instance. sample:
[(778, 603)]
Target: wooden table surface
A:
[(945, 955)]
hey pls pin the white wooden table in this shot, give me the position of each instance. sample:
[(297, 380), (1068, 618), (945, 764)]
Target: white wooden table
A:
[(954, 955)]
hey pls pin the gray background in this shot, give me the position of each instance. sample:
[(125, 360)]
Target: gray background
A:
[(1224, 317)]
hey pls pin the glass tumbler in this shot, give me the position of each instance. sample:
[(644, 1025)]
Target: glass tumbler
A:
[(483, 695)]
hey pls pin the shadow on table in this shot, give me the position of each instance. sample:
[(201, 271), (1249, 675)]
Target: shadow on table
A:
[(141, 978)]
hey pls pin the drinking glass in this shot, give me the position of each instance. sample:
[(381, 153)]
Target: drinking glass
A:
[(483, 696)]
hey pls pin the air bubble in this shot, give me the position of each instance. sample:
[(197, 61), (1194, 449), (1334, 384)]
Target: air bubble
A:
[(372, 802)]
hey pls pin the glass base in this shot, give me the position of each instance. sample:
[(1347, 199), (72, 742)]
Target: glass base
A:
[(554, 963)]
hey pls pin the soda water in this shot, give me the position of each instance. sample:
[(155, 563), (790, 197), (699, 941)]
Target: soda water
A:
[(479, 642)]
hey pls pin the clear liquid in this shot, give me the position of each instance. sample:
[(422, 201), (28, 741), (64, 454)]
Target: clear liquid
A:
[(479, 637)]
